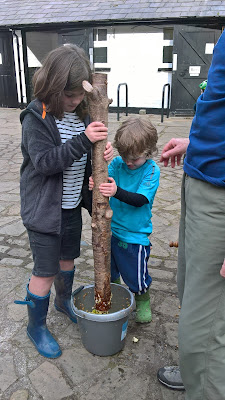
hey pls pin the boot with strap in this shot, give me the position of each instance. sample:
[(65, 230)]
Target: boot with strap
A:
[(37, 330), (143, 308), (63, 285)]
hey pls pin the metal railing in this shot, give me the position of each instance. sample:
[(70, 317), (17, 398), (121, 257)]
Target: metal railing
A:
[(118, 100), (168, 101)]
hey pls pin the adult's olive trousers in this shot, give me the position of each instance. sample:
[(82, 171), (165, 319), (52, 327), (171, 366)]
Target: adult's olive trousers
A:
[(202, 290)]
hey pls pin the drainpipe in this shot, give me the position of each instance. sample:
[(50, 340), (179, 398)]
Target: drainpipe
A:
[(25, 64), (19, 65)]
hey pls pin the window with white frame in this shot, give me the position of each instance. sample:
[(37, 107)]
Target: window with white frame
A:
[(167, 47), (100, 56)]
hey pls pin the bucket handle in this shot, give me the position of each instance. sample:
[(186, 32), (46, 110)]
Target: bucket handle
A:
[(78, 290)]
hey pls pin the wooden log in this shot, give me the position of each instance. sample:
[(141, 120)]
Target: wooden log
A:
[(98, 103)]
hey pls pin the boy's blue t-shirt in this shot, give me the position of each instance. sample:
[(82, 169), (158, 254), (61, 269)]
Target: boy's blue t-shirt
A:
[(205, 158), (133, 224)]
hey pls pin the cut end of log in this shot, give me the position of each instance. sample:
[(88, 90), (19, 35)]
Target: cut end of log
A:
[(87, 86)]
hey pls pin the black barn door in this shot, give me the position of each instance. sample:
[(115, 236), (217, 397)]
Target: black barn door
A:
[(81, 37), (192, 56), (8, 90)]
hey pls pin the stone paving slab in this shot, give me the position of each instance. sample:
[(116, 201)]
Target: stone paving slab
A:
[(78, 374)]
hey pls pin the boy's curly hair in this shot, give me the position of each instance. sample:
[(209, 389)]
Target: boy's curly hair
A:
[(136, 137)]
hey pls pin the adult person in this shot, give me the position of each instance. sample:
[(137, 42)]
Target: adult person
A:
[(201, 288)]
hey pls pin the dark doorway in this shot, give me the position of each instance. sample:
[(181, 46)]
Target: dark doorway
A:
[(192, 56), (41, 43), (8, 90), (81, 37)]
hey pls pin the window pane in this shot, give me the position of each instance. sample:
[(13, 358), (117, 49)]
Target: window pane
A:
[(168, 34), (168, 54), (100, 55), (102, 34), (95, 34)]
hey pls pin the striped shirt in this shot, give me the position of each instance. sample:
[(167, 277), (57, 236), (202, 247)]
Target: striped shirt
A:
[(73, 176)]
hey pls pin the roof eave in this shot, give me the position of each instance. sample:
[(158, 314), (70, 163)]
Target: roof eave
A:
[(198, 21)]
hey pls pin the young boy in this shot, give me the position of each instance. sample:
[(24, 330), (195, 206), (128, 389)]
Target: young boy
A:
[(133, 182)]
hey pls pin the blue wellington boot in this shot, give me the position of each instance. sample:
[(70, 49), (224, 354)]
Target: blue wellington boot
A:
[(37, 330), (63, 285)]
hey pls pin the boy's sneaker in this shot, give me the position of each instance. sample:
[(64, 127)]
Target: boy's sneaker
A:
[(170, 377), (117, 281)]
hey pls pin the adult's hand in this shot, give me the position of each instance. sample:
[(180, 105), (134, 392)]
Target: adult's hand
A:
[(222, 271), (173, 151)]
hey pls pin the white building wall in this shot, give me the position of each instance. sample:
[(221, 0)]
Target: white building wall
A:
[(134, 56)]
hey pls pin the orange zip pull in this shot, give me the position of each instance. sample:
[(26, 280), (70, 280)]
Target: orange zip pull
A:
[(44, 110)]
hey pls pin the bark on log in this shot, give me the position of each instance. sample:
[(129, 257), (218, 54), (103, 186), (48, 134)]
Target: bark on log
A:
[(101, 212)]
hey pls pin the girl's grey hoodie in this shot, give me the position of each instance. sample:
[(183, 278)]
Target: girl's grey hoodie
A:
[(44, 160)]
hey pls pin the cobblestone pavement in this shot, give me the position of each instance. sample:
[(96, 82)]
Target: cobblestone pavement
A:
[(78, 374)]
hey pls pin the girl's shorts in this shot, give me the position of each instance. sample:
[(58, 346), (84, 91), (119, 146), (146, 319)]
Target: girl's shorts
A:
[(48, 250)]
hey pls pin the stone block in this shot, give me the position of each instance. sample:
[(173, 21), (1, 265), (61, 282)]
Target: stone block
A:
[(49, 382)]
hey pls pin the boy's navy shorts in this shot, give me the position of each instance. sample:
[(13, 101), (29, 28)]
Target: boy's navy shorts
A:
[(130, 261), (48, 250)]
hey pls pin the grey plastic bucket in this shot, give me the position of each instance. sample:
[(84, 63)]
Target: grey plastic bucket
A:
[(103, 334)]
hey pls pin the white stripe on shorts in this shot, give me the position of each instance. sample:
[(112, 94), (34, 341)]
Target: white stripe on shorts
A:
[(139, 269)]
